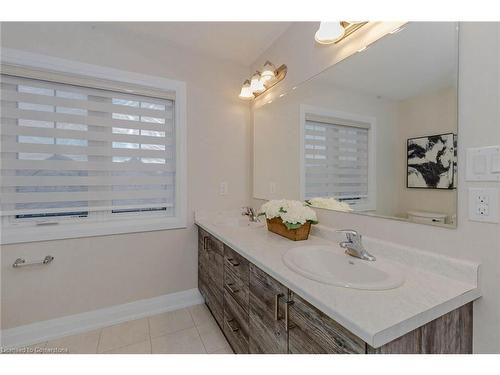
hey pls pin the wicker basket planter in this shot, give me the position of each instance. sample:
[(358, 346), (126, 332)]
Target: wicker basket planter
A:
[(277, 226)]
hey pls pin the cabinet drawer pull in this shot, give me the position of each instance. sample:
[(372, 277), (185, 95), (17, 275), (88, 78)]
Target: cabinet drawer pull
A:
[(232, 262), (229, 285), (277, 306), (231, 326)]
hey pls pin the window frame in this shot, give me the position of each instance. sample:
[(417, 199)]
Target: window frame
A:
[(123, 81), (370, 121)]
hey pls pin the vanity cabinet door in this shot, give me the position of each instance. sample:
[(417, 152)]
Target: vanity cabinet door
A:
[(267, 302), (312, 332), (211, 273), (203, 262)]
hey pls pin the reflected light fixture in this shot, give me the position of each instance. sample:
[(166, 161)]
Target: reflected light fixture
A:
[(261, 82), (246, 92), (334, 32)]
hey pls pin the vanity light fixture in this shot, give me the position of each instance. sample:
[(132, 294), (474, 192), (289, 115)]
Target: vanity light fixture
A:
[(246, 92), (261, 82), (395, 31), (334, 32)]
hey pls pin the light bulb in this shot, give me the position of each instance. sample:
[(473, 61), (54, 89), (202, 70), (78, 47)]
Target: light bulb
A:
[(256, 84), (246, 92), (329, 32), (268, 72)]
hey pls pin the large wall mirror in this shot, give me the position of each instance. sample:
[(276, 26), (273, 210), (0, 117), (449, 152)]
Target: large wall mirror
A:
[(374, 134)]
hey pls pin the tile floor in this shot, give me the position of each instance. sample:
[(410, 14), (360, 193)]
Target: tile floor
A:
[(191, 330)]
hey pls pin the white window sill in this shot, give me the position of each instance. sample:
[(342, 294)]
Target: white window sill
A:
[(61, 231)]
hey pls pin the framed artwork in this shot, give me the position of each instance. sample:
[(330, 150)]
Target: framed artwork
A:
[(431, 162)]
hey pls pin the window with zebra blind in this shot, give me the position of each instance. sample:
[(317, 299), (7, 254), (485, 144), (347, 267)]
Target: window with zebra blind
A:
[(75, 154), (337, 159)]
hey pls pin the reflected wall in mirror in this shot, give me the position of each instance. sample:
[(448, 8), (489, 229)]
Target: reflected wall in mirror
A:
[(374, 134)]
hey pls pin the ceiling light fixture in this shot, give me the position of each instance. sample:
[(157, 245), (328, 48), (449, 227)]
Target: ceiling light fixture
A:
[(334, 32), (261, 82)]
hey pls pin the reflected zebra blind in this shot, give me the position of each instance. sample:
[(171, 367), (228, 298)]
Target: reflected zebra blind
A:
[(336, 160), (73, 151)]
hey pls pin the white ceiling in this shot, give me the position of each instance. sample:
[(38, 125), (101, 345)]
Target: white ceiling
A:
[(420, 58), (240, 42)]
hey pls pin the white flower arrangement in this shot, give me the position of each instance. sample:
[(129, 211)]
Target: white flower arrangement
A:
[(329, 203), (293, 213)]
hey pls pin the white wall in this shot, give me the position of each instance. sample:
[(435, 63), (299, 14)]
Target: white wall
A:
[(479, 125), (96, 272)]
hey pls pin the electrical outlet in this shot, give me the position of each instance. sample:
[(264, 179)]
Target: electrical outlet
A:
[(483, 205), (223, 188), (482, 199)]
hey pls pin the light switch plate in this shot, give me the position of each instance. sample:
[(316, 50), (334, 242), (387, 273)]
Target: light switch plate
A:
[(483, 164), (483, 205)]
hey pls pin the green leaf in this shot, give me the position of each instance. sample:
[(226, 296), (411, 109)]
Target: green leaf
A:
[(313, 221), (291, 226)]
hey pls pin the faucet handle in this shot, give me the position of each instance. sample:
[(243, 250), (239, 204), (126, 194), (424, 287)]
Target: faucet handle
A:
[(350, 233)]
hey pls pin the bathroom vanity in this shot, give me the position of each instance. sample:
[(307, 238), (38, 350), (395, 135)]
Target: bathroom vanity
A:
[(264, 307)]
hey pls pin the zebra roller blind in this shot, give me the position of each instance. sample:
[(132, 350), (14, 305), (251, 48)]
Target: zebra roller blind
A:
[(336, 159), (73, 151)]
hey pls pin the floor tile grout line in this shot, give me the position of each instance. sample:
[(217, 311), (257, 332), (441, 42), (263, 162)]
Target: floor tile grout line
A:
[(201, 340), (98, 341), (150, 339)]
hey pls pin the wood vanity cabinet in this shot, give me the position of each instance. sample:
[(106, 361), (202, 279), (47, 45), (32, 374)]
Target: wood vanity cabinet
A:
[(312, 332), (211, 273), (268, 299), (236, 294), (260, 315)]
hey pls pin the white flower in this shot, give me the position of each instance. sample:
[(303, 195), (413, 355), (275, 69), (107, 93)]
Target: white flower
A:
[(329, 203), (298, 215), (292, 212)]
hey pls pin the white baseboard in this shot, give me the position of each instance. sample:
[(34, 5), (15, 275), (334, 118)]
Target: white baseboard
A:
[(87, 321)]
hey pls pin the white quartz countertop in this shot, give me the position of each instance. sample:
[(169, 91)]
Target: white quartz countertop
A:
[(434, 285)]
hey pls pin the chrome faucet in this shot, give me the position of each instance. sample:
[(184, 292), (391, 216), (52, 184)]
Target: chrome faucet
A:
[(353, 246), (252, 216)]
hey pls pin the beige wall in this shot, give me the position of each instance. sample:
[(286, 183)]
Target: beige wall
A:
[(426, 114), (479, 119), (96, 272)]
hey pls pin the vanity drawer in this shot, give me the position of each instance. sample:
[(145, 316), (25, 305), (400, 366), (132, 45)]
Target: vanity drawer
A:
[(312, 332), (235, 324), (214, 301), (236, 264), (236, 288)]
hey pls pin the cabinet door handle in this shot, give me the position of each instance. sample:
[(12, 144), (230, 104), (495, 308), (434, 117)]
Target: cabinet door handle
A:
[(206, 243), (232, 262), (228, 286), (287, 305), (231, 326), (277, 306)]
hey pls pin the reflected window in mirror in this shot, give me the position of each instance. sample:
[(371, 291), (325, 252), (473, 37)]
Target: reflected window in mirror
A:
[(337, 156)]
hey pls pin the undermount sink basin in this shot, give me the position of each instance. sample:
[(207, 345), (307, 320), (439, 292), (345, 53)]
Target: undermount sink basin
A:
[(330, 265), (242, 222)]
